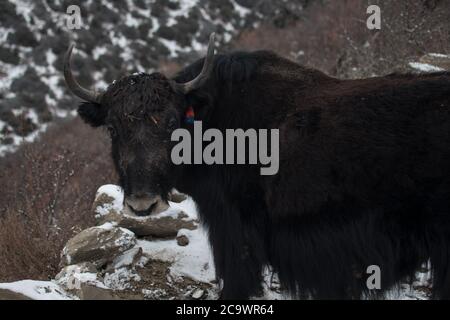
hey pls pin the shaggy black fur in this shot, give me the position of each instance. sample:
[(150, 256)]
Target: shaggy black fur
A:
[(364, 175)]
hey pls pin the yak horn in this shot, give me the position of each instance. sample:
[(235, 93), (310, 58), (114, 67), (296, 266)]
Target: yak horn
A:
[(72, 84), (207, 69)]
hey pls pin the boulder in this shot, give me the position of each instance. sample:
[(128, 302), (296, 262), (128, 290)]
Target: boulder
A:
[(154, 226), (98, 245), (90, 292)]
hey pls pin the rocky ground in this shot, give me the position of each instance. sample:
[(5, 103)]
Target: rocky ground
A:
[(165, 256)]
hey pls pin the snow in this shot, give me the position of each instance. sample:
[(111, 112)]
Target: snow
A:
[(116, 193), (121, 279), (37, 290), (188, 206), (98, 51), (242, 11), (194, 261), (12, 72), (130, 21), (4, 32), (173, 47), (73, 276), (425, 67), (439, 55), (108, 226), (126, 259), (183, 10), (127, 238)]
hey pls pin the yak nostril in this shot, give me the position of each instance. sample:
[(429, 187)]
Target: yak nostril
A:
[(153, 206)]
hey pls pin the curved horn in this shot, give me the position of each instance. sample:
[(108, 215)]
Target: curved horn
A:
[(72, 84), (206, 70)]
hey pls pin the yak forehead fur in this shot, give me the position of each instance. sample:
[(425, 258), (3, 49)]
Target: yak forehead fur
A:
[(139, 95)]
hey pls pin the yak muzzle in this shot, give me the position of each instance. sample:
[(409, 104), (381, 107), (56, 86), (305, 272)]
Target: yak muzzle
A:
[(145, 204)]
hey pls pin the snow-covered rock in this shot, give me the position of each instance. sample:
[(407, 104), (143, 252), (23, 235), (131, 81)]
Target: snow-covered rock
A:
[(108, 207), (108, 262)]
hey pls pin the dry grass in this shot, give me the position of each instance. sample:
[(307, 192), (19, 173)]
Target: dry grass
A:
[(48, 189)]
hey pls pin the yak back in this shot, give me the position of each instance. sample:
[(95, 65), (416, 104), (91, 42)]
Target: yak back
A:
[(339, 139)]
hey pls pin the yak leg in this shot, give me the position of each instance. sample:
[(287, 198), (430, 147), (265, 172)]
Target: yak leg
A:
[(440, 242), (238, 253)]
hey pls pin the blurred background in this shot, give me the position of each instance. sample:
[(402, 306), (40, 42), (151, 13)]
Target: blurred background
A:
[(52, 164)]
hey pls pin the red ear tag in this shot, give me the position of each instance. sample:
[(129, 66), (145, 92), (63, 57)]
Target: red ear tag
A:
[(189, 115)]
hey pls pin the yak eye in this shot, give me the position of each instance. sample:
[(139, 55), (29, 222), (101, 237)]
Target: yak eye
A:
[(173, 124), (111, 131)]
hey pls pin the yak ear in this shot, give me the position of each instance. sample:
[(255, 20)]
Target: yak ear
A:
[(93, 113)]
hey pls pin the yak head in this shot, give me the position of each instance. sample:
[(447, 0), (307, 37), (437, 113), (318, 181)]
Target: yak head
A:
[(140, 112)]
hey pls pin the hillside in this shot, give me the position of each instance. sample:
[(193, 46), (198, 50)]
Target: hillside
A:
[(116, 38)]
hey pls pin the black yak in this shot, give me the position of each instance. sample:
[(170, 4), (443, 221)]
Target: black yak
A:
[(364, 169)]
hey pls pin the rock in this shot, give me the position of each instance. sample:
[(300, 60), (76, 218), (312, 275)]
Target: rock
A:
[(98, 245), (160, 227), (91, 292), (182, 240), (9, 55), (6, 294)]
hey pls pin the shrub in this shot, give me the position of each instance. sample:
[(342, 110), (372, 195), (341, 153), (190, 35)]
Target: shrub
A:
[(48, 189)]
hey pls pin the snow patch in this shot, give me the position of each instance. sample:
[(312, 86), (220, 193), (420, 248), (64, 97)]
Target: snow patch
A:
[(425, 67), (194, 261), (37, 290)]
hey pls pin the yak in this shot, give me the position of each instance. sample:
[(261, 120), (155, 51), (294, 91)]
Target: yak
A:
[(363, 180)]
